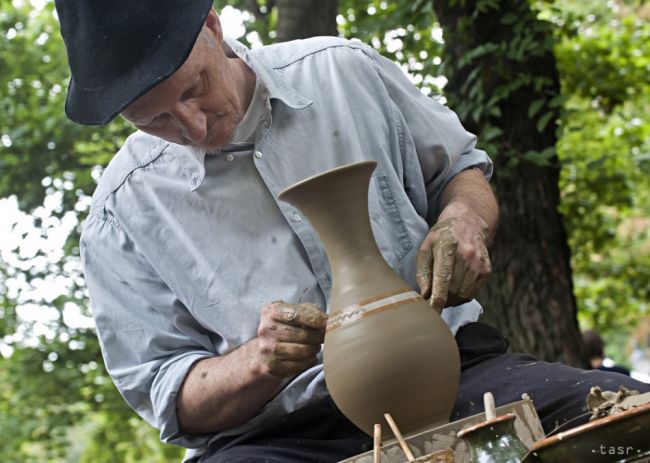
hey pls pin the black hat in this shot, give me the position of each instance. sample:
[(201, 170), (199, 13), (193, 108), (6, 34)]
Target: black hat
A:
[(120, 49)]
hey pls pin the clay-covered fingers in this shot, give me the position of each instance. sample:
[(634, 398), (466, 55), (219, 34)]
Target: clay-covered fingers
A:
[(453, 262), (444, 263), (470, 273), (424, 271), (290, 358), (296, 351), (284, 368), (463, 286), (290, 337), (427, 255), (303, 315), (282, 332), (476, 267)]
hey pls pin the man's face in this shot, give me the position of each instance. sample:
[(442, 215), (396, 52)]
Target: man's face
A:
[(199, 105)]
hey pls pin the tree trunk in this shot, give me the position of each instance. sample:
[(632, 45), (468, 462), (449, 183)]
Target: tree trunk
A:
[(502, 75), (299, 19)]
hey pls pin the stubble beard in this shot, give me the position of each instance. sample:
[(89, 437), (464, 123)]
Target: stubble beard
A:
[(212, 141)]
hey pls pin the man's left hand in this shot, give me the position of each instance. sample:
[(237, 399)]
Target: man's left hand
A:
[(453, 260)]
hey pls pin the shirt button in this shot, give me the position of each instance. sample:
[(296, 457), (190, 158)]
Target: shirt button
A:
[(230, 157), (296, 218), (258, 154)]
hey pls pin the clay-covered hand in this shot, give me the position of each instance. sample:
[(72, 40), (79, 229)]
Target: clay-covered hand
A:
[(290, 336), (453, 260)]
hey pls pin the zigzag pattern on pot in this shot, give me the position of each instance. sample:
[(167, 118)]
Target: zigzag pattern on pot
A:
[(369, 307)]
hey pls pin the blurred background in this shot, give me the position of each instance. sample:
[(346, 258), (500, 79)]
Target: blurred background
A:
[(557, 91)]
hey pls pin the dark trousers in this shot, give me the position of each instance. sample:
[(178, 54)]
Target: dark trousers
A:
[(320, 433)]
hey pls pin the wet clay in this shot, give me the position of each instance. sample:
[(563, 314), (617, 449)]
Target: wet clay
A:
[(443, 274), (607, 403), (290, 336), (386, 350)]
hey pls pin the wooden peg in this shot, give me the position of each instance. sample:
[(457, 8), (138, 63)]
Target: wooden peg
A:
[(490, 409), (377, 446), (398, 435)]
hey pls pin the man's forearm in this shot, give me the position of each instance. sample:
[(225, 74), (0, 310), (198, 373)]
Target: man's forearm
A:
[(470, 192), (223, 392)]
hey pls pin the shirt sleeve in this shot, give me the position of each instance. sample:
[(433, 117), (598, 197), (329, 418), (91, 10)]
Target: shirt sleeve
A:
[(148, 338), (444, 148)]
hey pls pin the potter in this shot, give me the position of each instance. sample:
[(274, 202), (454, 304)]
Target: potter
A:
[(186, 246)]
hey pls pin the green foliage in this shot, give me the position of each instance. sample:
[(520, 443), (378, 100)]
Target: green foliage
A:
[(38, 142), (613, 47), (56, 401), (604, 59), (494, 69)]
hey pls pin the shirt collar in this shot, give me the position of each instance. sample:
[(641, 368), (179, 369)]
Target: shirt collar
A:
[(192, 159), (278, 89)]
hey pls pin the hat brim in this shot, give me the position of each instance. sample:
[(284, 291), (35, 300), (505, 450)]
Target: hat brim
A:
[(98, 106)]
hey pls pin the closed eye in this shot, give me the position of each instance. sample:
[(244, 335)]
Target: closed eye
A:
[(196, 89), (159, 120)]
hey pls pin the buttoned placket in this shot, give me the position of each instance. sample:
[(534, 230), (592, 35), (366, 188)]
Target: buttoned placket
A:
[(305, 232)]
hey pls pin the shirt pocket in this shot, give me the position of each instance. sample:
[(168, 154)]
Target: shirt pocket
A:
[(388, 226)]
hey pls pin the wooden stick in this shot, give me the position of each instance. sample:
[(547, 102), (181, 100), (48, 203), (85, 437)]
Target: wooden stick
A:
[(490, 409), (377, 454), (398, 435)]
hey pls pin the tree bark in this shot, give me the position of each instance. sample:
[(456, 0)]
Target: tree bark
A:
[(530, 294), (299, 19)]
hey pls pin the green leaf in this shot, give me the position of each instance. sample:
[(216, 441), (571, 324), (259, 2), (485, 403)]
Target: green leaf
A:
[(543, 121), (509, 18), (489, 133), (534, 107), (540, 158)]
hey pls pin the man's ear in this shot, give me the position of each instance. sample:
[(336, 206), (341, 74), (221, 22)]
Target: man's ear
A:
[(212, 22)]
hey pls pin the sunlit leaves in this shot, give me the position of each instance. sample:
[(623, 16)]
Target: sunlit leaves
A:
[(604, 60)]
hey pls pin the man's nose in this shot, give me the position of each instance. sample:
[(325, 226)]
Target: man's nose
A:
[(191, 119)]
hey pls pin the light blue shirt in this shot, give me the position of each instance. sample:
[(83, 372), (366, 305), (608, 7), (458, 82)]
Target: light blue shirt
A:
[(182, 248)]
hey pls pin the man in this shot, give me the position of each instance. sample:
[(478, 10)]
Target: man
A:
[(197, 274), (595, 352)]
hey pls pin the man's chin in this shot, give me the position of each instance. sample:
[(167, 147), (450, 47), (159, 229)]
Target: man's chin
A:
[(210, 143), (214, 141), (212, 146), (217, 141), (206, 146)]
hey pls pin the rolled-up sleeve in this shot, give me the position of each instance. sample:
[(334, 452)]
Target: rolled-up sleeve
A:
[(148, 339), (444, 148)]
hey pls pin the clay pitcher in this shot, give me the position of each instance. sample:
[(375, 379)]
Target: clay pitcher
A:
[(386, 350)]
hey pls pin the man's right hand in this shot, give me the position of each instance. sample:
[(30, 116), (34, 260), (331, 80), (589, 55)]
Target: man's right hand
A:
[(290, 336), (225, 391)]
